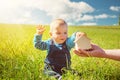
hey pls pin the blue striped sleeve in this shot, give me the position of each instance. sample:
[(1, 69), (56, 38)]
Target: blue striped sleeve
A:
[(70, 41), (39, 44)]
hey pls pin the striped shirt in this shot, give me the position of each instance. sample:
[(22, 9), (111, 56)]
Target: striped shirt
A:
[(45, 45)]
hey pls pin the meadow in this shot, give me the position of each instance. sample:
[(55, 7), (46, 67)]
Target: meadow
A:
[(19, 60)]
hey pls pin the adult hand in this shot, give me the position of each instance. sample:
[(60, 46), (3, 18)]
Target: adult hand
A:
[(96, 51)]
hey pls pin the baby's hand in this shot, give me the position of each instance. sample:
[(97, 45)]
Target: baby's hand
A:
[(78, 34), (40, 29)]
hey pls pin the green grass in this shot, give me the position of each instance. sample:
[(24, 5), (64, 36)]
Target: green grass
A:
[(19, 60)]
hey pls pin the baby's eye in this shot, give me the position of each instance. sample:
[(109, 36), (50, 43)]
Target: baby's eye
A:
[(65, 32), (58, 33)]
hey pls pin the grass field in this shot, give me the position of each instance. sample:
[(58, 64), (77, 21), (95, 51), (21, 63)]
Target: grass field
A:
[(19, 60)]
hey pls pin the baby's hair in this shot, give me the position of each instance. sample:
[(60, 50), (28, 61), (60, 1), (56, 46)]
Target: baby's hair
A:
[(57, 23)]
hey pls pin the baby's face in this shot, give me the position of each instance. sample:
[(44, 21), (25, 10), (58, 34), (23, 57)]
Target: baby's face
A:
[(60, 34)]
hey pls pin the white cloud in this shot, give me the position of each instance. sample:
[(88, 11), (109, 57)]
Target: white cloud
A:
[(17, 11), (89, 24), (115, 8), (24, 11), (103, 16), (93, 17), (70, 11), (115, 24), (87, 18)]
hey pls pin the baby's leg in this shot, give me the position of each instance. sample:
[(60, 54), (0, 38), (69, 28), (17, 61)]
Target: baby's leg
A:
[(48, 71)]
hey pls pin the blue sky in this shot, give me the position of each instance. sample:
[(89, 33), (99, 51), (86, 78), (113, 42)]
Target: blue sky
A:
[(74, 12)]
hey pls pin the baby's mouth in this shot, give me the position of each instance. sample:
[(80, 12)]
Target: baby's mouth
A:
[(62, 39)]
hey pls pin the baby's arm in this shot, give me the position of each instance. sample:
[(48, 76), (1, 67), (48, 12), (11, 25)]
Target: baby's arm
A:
[(38, 43)]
